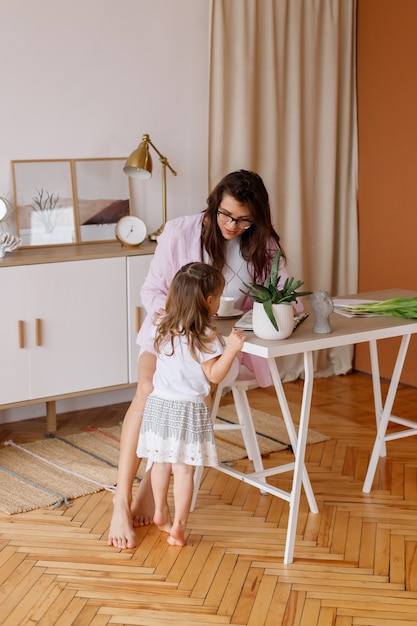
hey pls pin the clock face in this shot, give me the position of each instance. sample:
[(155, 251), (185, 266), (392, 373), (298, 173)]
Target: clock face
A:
[(130, 230)]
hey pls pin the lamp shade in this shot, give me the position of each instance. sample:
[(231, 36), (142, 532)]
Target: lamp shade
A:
[(139, 164)]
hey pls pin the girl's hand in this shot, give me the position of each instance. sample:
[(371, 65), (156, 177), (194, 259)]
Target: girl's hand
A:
[(217, 368), (236, 339)]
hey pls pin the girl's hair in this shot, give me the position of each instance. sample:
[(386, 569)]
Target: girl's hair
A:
[(187, 310), (248, 189)]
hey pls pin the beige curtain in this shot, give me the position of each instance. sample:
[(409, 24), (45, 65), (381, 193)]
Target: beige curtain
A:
[(283, 103)]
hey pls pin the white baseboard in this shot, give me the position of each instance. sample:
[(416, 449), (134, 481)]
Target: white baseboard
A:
[(64, 406)]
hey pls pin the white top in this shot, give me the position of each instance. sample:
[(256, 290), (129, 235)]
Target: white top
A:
[(180, 374), (235, 271)]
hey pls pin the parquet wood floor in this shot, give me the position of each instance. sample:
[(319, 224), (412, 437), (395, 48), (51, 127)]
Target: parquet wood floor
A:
[(355, 562)]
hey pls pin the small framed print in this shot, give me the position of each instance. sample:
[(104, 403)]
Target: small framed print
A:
[(102, 197), (44, 202)]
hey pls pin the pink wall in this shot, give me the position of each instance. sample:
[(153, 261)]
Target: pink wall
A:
[(88, 79)]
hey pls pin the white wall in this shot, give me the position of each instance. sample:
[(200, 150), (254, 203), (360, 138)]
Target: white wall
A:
[(87, 78)]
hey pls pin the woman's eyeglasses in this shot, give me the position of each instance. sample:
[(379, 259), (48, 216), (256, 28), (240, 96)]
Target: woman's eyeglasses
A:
[(225, 218)]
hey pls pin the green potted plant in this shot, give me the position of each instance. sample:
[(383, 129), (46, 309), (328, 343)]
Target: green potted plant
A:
[(267, 300)]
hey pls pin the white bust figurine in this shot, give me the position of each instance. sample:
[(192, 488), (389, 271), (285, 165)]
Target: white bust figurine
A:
[(322, 305)]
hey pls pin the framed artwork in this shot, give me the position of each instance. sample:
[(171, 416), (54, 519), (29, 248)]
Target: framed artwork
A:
[(102, 197), (44, 202)]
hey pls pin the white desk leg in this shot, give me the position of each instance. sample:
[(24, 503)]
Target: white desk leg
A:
[(386, 414), (289, 424), (249, 434), (299, 469), (376, 384)]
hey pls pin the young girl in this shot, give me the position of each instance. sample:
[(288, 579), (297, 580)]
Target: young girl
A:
[(177, 430)]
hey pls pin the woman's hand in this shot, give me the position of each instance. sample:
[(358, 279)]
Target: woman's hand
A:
[(157, 315)]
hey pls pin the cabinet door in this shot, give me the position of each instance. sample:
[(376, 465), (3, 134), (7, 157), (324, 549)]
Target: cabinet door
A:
[(81, 335), (137, 269), (14, 336)]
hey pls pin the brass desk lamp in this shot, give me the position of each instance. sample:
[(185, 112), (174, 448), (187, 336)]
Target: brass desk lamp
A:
[(139, 165)]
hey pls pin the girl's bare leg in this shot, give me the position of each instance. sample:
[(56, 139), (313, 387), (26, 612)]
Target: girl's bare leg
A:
[(122, 533), (183, 493), (160, 477)]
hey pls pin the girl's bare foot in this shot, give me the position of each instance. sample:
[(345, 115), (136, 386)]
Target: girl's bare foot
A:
[(121, 532), (177, 537), (163, 520)]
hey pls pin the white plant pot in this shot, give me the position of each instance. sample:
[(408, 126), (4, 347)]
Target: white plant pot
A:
[(262, 325)]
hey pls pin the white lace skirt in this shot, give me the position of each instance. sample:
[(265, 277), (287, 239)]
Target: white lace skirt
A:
[(177, 431)]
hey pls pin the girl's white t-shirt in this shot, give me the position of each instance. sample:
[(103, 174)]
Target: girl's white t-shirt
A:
[(181, 375)]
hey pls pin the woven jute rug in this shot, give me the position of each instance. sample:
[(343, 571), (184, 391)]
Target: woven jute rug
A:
[(56, 469)]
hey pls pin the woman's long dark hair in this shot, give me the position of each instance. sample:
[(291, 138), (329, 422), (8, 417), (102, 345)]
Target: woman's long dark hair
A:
[(248, 189)]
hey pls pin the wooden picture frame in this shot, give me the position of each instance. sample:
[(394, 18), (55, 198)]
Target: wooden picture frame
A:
[(102, 197), (44, 202)]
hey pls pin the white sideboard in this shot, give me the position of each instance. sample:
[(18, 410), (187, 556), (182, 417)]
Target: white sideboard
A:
[(68, 322)]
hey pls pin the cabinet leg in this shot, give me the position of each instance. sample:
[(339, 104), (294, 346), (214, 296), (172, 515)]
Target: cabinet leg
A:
[(51, 416)]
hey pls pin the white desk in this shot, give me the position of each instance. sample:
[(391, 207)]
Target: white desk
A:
[(345, 331)]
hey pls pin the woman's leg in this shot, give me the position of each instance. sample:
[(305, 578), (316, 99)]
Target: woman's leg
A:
[(121, 533), (160, 477), (183, 493)]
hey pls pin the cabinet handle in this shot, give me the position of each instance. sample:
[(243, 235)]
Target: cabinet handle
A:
[(138, 318), (21, 333), (38, 332)]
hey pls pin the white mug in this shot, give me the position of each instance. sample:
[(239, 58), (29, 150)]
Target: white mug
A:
[(226, 306)]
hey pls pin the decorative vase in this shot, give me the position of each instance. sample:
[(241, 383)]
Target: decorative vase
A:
[(263, 327)]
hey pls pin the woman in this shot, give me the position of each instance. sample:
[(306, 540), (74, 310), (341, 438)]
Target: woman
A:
[(235, 235)]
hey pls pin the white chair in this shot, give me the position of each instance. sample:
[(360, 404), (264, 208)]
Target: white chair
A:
[(239, 388)]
